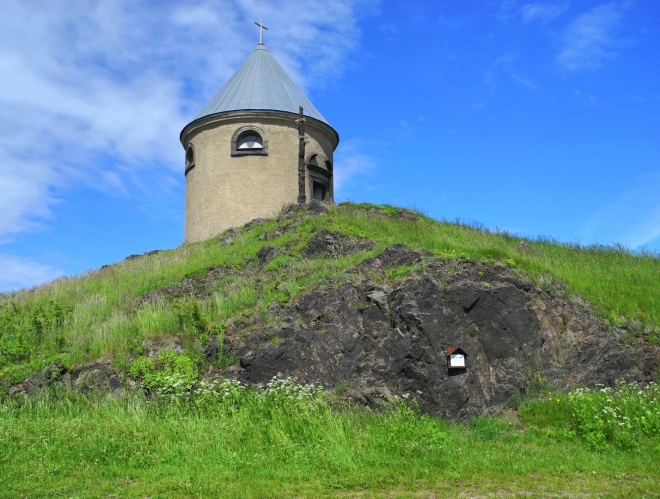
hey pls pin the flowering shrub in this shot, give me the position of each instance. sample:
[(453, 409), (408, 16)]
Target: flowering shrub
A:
[(205, 394), (281, 394), (281, 389), (622, 417)]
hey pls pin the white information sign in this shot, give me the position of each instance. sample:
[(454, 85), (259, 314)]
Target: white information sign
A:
[(457, 360)]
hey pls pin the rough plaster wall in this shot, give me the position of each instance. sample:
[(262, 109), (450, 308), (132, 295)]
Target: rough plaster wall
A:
[(225, 191)]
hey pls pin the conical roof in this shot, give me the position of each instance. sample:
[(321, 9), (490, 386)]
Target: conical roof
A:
[(260, 84)]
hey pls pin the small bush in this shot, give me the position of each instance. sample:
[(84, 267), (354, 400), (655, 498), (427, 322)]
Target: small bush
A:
[(162, 371)]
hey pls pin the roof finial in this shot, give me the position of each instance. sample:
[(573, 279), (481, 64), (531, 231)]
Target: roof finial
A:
[(261, 31)]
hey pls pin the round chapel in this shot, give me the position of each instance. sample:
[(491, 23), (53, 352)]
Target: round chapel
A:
[(249, 151)]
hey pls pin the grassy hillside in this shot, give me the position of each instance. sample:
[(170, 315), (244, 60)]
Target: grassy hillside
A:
[(100, 313), (222, 439)]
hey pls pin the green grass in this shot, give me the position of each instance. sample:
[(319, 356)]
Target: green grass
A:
[(291, 442)]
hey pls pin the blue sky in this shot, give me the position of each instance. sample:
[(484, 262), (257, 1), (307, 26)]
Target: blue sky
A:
[(540, 118)]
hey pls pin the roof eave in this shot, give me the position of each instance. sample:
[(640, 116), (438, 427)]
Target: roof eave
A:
[(240, 111)]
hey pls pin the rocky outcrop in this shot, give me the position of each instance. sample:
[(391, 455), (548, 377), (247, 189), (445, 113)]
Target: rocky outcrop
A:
[(267, 253), (148, 253), (313, 208), (376, 334), (279, 231), (394, 256), (333, 244), (383, 339), (97, 377)]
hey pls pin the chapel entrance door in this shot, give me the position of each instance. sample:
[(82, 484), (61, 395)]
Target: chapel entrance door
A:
[(318, 191)]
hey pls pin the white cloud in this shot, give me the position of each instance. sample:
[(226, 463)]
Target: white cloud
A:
[(350, 164), (632, 219), (591, 38), (195, 16), (17, 273), (505, 64), (95, 93), (25, 196), (543, 13)]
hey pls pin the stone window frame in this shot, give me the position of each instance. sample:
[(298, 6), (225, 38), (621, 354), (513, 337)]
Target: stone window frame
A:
[(322, 176), (249, 152), (190, 163)]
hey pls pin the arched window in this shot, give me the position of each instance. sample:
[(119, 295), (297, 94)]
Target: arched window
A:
[(190, 157), (249, 140), (328, 166)]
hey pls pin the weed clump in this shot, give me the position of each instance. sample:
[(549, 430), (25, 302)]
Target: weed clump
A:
[(623, 417), (24, 327)]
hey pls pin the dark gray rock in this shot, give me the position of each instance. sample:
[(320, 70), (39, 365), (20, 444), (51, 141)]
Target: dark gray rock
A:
[(333, 244), (133, 257), (313, 208), (317, 208), (267, 253), (96, 377), (49, 376), (148, 253), (212, 348), (227, 237), (278, 232), (380, 341), (255, 221), (229, 233), (394, 256)]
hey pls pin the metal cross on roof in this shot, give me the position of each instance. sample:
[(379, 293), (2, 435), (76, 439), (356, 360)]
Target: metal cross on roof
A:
[(261, 30)]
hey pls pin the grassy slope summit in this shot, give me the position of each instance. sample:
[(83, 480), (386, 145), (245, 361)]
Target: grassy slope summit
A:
[(225, 440), (82, 318)]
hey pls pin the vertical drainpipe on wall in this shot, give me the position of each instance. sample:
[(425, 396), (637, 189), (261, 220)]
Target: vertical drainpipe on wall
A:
[(302, 198)]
